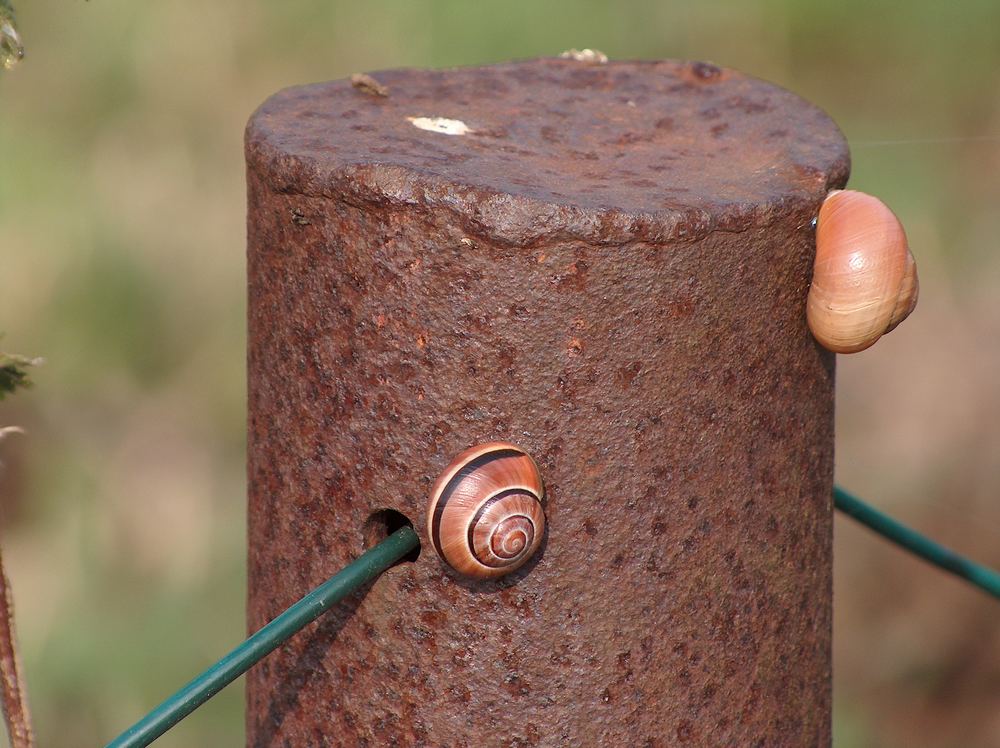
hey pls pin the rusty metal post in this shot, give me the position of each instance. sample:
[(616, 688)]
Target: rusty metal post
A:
[(607, 265)]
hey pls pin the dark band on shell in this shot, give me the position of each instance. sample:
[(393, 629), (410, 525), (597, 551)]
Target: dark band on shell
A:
[(485, 518)]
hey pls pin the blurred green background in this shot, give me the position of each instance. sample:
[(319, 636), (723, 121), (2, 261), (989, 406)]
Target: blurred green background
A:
[(122, 263)]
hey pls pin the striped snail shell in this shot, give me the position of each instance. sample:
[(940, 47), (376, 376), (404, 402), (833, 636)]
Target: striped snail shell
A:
[(864, 277), (485, 517)]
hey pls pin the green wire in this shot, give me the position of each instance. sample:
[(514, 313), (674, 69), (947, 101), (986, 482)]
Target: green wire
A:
[(980, 576), (354, 576), (376, 560)]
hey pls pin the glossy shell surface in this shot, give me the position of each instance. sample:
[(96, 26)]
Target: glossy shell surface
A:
[(864, 278), (485, 517)]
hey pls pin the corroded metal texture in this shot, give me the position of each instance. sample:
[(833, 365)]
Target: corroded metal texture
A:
[(608, 269)]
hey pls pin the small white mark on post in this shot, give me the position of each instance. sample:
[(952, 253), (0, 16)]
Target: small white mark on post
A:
[(441, 125), (593, 56)]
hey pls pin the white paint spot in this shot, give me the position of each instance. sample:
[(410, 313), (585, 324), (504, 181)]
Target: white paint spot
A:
[(441, 125), (594, 56)]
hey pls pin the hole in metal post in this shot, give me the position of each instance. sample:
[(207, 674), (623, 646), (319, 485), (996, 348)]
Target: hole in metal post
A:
[(382, 524)]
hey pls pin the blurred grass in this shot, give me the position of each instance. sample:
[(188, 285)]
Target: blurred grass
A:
[(121, 262)]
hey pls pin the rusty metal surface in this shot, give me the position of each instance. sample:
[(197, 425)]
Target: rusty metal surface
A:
[(611, 272)]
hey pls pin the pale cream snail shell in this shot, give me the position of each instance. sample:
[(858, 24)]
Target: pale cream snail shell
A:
[(864, 277), (485, 517)]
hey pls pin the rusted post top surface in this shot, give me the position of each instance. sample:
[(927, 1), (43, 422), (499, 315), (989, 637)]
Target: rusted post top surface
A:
[(609, 269), (559, 149)]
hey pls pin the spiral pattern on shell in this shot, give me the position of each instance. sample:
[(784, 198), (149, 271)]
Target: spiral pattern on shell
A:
[(485, 517), (864, 277)]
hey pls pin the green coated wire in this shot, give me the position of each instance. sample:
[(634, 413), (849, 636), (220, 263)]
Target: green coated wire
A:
[(376, 560), (354, 576), (982, 577)]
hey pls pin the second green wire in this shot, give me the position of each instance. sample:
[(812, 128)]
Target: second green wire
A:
[(981, 576)]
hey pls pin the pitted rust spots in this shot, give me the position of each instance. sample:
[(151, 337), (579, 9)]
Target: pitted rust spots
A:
[(621, 159), (679, 410)]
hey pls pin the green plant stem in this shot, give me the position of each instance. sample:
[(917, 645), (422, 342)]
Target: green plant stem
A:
[(359, 573), (982, 577)]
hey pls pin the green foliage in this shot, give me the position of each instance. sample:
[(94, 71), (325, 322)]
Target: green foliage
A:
[(14, 371)]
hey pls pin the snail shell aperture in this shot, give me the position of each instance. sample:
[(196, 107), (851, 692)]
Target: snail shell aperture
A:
[(485, 517), (864, 277)]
